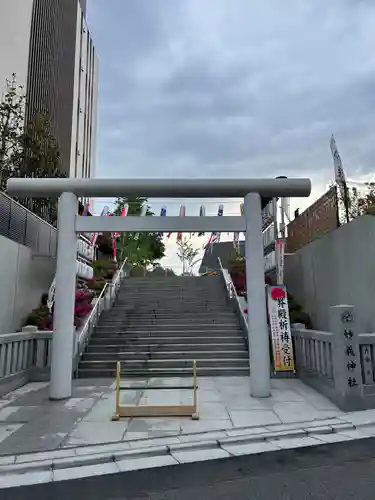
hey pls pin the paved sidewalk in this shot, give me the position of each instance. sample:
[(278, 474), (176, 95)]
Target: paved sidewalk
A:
[(43, 441), (30, 422)]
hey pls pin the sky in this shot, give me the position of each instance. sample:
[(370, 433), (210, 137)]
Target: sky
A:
[(239, 88)]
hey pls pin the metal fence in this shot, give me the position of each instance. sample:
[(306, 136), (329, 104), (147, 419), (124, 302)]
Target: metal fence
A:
[(23, 226)]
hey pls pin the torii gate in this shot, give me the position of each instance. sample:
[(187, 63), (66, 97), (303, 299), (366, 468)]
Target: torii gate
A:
[(70, 224)]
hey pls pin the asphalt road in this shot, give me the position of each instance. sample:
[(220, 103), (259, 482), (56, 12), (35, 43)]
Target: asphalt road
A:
[(329, 472)]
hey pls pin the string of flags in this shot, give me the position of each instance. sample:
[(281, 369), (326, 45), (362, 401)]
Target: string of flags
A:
[(214, 237)]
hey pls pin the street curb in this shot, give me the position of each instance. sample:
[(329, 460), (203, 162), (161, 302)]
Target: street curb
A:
[(41, 471)]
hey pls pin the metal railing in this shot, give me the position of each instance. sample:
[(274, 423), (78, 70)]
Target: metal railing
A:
[(234, 299), (103, 302), (21, 225)]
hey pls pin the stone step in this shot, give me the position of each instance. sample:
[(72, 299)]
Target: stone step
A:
[(177, 324), (163, 332), (171, 340), (222, 317), (230, 371), (148, 346), (171, 304), (188, 294), (163, 363), (158, 355), (164, 327)]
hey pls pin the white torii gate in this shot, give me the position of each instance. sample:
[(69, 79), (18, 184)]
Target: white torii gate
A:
[(70, 224)]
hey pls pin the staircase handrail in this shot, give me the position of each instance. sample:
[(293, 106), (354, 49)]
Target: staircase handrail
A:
[(104, 301), (232, 294)]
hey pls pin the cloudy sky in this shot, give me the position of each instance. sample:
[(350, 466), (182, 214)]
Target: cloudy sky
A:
[(222, 88)]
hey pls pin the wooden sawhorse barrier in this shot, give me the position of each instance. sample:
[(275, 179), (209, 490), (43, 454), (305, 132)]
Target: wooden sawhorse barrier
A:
[(155, 410)]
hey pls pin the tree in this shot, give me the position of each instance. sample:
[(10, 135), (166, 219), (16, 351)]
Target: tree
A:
[(28, 150), (141, 249), (187, 255), (159, 271), (12, 114), (359, 202)]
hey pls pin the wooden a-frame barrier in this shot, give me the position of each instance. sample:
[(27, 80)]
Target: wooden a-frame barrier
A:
[(155, 410)]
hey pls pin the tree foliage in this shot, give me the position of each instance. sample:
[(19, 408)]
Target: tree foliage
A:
[(187, 255), (141, 249), (27, 150), (159, 271), (360, 201), (12, 114)]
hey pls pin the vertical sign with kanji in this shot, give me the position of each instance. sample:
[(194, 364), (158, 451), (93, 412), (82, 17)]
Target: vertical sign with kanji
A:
[(350, 349), (278, 313)]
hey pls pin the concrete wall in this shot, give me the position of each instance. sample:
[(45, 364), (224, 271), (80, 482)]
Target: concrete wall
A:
[(339, 268), (24, 277)]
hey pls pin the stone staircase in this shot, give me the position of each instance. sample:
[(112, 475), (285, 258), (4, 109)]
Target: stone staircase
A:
[(158, 326)]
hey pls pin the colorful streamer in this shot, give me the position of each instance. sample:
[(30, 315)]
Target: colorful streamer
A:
[(94, 237), (124, 213), (236, 235), (142, 213), (215, 236), (202, 213), (163, 213)]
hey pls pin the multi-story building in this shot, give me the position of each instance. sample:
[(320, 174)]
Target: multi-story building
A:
[(47, 44)]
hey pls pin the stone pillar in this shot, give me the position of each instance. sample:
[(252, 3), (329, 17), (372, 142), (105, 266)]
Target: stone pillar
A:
[(259, 349), (346, 359), (64, 331)]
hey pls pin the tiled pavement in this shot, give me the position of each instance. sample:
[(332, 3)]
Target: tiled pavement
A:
[(30, 422), (42, 440)]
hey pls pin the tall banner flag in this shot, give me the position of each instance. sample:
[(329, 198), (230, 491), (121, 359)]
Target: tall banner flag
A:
[(182, 214), (202, 213), (340, 175)]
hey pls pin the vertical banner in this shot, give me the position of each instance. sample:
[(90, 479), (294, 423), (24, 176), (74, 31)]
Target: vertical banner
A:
[(202, 213), (280, 258), (281, 335), (340, 176), (182, 214)]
